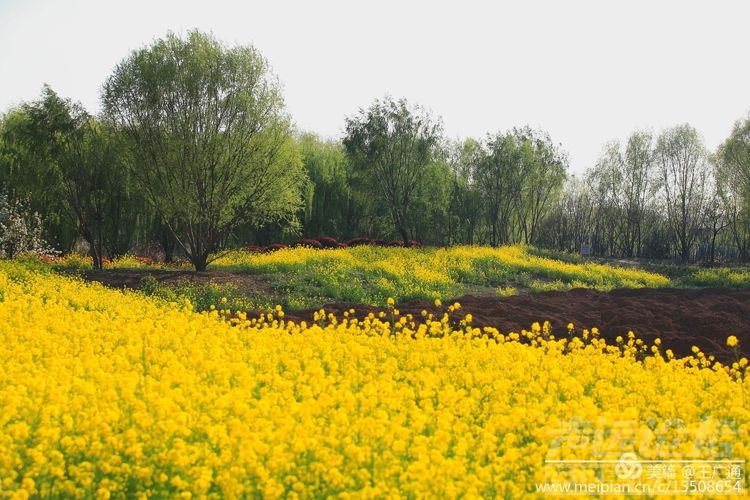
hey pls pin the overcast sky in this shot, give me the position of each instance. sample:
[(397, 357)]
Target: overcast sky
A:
[(585, 71)]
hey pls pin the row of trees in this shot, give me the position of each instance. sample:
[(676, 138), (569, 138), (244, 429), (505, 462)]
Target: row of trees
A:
[(661, 197), (193, 153)]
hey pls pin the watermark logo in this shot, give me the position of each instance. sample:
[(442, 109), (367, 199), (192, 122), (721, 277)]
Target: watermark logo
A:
[(629, 467), (651, 458)]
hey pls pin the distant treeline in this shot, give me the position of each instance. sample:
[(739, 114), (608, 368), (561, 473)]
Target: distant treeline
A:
[(193, 152)]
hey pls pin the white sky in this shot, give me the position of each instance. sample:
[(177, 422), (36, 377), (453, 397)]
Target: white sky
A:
[(585, 71)]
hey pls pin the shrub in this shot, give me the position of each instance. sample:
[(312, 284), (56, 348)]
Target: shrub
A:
[(307, 242), (20, 229), (274, 247), (253, 248), (328, 242), (359, 242)]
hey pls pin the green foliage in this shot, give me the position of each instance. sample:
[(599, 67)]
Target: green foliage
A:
[(201, 295), (392, 145), (72, 262), (331, 204), (735, 153), (719, 277), (369, 275), (561, 255), (211, 146), (195, 153), (23, 268), (27, 170), (71, 163), (506, 291), (733, 185), (519, 176), (685, 180)]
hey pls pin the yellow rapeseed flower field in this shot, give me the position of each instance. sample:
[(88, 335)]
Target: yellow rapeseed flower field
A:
[(367, 274), (108, 394)]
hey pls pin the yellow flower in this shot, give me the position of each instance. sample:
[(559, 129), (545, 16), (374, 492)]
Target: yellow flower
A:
[(657, 341), (153, 397), (390, 302), (732, 341), (438, 303)]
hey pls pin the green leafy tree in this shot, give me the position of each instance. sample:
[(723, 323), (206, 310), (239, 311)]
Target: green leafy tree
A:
[(499, 176), (733, 184), (682, 162), (210, 144), (735, 152), (393, 144), (570, 225), (78, 159), (465, 202), (638, 189), (430, 223), (605, 180), (520, 175), (331, 205), (28, 171), (623, 182), (544, 166)]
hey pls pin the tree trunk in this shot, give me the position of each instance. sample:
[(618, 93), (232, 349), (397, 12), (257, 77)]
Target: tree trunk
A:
[(96, 257), (199, 261)]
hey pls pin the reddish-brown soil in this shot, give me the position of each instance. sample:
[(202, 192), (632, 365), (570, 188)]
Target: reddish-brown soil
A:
[(682, 318)]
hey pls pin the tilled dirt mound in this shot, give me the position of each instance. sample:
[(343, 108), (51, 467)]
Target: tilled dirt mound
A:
[(681, 318)]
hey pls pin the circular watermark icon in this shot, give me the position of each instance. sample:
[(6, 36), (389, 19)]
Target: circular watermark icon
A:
[(628, 467)]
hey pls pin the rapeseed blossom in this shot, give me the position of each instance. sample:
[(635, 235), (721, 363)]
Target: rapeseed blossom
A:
[(372, 274), (107, 393)]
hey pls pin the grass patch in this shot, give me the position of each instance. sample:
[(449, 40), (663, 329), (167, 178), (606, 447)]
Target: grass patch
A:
[(203, 296), (719, 277)]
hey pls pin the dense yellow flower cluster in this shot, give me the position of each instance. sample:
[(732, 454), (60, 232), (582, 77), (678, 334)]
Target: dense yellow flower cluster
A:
[(407, 273), (106, 393)]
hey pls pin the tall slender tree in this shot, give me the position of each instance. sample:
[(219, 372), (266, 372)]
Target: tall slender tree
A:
[(683, 166)]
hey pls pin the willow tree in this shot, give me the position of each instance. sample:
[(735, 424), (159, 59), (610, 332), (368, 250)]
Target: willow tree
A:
[(393, 145), (211, 145), (733, 178)]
